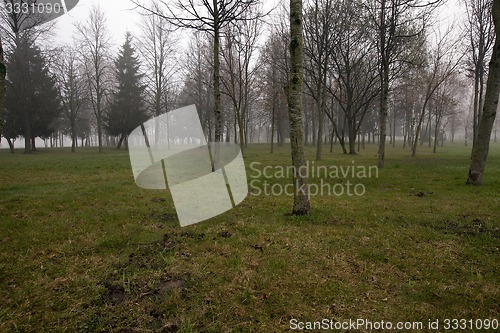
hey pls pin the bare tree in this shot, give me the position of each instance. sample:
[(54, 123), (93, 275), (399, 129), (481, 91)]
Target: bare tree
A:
[(443, 63), (397, 23), (157, 47), (72, 90), (354, 65), (445, 104), (198, 81), (481, 146), (211, 17), (275, 72), (318, 23), (480, 34), (240, 72), (94, 48)]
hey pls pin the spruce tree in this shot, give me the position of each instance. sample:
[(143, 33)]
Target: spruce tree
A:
[(127, 110), (32, 103)]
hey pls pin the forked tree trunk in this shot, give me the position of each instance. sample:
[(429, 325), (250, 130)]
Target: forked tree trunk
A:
[(301, 204), (481, 146)]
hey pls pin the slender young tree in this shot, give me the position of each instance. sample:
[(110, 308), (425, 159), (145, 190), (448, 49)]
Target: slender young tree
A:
[(481, 146), (301, 203)]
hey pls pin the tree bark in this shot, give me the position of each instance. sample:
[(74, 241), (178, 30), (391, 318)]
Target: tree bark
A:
[(3, 72), (272, 126), (301, 204), (481, 146), (384, 78), (217, 94)]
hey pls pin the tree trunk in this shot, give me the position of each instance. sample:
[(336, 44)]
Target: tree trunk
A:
[(120, 142), (272, 126), (495, 140), (332, 134), (480, 146), (383, 115), (11, 146), (352, 136), (27, 140), (321, 121), (475, 120), (73, 137), (3, 72), (394, 130), (217, 94), (301, 204), (384, 75), (436, 133)]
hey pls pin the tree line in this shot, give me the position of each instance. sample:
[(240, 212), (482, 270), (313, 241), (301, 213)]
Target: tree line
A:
[(319, 72)]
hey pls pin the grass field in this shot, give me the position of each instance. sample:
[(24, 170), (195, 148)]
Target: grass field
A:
[(83, 249)]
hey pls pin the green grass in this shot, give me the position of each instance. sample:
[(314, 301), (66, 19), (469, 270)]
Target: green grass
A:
[(82, 249)]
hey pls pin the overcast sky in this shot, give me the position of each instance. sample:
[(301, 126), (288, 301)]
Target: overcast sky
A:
[(119, 14), (121, 17)]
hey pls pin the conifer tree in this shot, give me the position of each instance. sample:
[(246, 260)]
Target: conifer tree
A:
[(127, 109), (32, 103)]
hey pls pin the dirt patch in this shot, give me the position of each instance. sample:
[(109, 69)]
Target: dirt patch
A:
[(225, 234), (475, 227), (164, 217), (167, 285), (114, 294)]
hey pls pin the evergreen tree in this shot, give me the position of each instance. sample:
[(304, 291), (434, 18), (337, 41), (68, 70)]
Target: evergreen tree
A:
[(32, 102), (127, 110)]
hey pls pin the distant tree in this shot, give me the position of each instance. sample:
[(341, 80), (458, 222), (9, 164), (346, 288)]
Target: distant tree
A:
[(73, 92), (301, 203), (33, 112), (318, 23), (158, 43), (239, 71), (396, 24), (481, 145), (198, 81), (207, 16), (442, 64), (274, 75), (354, 64), (127, 109), (94, 48)]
